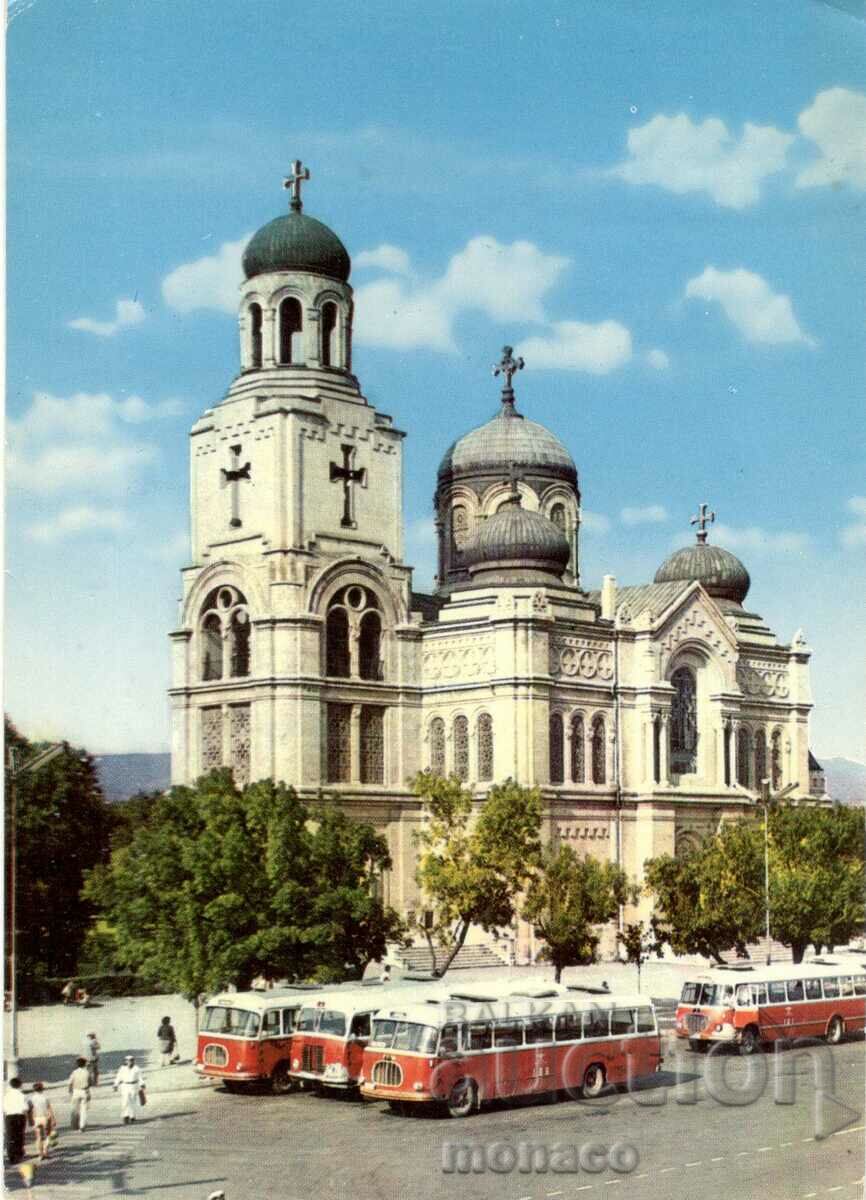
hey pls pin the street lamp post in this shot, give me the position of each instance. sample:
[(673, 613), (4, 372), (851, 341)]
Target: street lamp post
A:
[(765, 798)]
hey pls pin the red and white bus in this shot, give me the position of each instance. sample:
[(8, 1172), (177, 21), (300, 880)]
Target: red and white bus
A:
[(246, 1037), (334, 1027), (461, 1052), (745, 1005)]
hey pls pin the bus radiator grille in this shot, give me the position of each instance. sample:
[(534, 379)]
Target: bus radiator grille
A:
[(216, 1056), (389, 1074), (696, 1022), (313, 1060)]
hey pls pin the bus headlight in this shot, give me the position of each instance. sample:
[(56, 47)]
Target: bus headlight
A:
[(336, 1071), (419, 1087), (296, 1062)]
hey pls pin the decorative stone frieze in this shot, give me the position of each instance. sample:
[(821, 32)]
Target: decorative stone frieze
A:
[(763, 679), (584, 833), (463, 658), (697, 624), (580, 658)]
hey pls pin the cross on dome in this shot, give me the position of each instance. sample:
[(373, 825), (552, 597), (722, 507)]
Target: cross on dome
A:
[(704, 518), (299, 175), (508, 366)]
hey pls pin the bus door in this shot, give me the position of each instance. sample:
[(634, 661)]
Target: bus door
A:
[(359, 1036), (278, 1025), (538, 1056), (777, 1019), (508, 1059)]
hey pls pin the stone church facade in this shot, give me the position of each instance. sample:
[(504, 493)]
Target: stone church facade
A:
[(644, 714)]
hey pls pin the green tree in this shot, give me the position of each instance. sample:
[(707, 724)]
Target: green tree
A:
[(639, 941), (473, 864), (567, 897), (220, 885), (62, 828)]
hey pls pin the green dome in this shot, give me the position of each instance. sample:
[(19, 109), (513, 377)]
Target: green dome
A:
[(508, 439), (296, 242), (720, 573), (518, 543)]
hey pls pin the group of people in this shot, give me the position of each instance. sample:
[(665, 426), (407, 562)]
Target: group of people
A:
[(35, 1109)]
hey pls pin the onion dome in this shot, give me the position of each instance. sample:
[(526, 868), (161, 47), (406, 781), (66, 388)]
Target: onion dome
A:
[(296, 242), (516, 545), (720, 573)]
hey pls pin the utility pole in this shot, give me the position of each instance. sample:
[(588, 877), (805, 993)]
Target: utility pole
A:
[(765, 798)]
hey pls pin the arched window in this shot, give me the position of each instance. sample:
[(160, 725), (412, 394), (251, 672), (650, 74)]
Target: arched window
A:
[(290, 331), (255, 314), (684, 723), (459, 528), (557, 516), (239, 634), (437, 746), (485, 747), (744, 753), (557, 765), (337, 644), (578, 750), (212, 648), (372, 731), (599, 763), (461, 748), (776, 758), (760, 757), (338, 743), (328, 326), (369, 646)]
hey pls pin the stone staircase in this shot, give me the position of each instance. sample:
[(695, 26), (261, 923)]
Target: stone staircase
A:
[(758, 953), (420, 958)]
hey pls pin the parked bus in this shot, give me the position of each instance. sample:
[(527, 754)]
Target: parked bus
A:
[(463, 1052), (745, 1005), (333, 1028), (246, 1037)]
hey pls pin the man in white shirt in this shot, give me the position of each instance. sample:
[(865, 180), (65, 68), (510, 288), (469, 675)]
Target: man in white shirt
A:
[(129, 1081), (79, 1090), (16, 1107)]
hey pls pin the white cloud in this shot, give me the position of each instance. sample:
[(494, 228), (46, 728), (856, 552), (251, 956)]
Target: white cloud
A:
[(855, 534), (386, 257), (575, 346), (136, 411), (680, 156), (91, 468), (748, 301), (81, 519), (593, 522), (650, 514), (127, 313), (836, 123), (395, 315), (762, 541), (658, 359), (209, 282)]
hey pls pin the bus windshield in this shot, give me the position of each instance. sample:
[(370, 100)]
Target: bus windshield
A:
[(234, 1021), (404, 1035), (701, 993)]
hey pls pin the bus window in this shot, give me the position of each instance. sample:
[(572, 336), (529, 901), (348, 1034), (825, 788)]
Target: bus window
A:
[(235, 1021), (290, 1019), (360, 1025), (860, 985), (621, 1021), (776, 992), (539, 1029), (449, 1041), (595, 1023), (703, 993), (831, 988), (568, 1027), (759, 993), (333, 1022), (645, 1021), (727, 996), (480, 1035), (307, 1020), (812, 989), (744, 995), (846, 986), (507, 1033), (795, 990), (271, 1023)]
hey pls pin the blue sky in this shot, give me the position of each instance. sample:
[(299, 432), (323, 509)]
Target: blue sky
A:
[(660, 204)]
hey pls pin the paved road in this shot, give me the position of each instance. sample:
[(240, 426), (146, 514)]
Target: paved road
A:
[(259, 1147)]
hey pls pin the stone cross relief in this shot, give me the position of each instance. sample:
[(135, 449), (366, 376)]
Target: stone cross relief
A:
[(231, 477), (348, 476)]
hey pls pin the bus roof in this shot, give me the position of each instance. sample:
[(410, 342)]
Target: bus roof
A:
[(450, 1009), (281, 997), (371, 998), (759, 972)]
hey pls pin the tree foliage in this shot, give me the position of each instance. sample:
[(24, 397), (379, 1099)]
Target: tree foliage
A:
[(567, 898), (472, 865), (220, 885), (62, 827)]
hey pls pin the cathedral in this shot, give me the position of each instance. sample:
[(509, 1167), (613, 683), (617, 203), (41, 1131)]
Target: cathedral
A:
[(646, 715)]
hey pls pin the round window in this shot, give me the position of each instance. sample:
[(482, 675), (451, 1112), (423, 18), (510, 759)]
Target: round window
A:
[(355, 598)]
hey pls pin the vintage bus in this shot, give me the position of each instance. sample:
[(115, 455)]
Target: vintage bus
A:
[(462, 1052), (246, 1037), (745, 1005), (333, 1028)]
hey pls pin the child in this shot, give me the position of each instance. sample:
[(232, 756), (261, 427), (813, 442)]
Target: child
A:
[(43, 1119)]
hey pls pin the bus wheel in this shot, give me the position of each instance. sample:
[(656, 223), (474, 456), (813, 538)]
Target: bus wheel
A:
[(231, 1086), (463, 1099), (281, 1081), (398, 1108), (697, 1045), (593, 1080), (835, 1031), (750, 1042)]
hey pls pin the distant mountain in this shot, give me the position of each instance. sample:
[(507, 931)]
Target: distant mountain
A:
[(846, 780), (125, 775)]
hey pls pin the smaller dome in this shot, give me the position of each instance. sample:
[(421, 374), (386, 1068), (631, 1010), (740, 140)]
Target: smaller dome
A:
[(507, 438), (517, 545), (720, 573), (296, 242)]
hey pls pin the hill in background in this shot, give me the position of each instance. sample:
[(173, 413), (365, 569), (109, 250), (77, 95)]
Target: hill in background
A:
[(846, 780), (125, 775)]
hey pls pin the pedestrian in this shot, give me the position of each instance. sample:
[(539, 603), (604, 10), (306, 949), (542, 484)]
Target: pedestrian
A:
[(79, 1090), (16, 1110), (165, 1035), (129, 1081), (43, 1119), (67, 991), (91, 1054), (386, 973)]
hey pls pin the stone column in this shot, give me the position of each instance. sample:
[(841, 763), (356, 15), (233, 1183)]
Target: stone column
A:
[(355, 744), (269, 350), (664, 751), (312, 344)]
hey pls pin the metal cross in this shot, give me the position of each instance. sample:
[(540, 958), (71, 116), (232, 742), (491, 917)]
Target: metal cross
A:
[(299, 174), (508, 366), (232, 476), (349, 476), (704, 518)]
